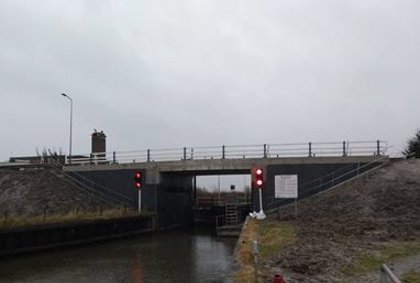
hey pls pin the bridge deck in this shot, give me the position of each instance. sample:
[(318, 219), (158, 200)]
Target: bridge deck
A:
[(225, 166)]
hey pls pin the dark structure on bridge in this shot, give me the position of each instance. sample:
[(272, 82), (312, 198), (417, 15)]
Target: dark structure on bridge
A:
[(169, 175), (169, 189)]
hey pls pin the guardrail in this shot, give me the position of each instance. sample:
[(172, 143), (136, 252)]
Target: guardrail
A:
[(213, 200), (386, 273), (329, 181), (344, 148), (93, 189)]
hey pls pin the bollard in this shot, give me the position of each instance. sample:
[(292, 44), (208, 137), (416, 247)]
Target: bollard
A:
[(278, 278)]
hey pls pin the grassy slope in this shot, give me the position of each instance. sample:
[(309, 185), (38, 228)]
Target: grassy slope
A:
[(31, 193), (347, 231), (271, 237), (71, 217)]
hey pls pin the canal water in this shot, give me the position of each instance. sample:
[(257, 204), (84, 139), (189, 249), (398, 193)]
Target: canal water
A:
[(187, 255)]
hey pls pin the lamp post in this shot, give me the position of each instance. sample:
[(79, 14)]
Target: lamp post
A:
[(71, 123)]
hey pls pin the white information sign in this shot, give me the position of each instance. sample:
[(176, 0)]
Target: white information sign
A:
[(286, 186)]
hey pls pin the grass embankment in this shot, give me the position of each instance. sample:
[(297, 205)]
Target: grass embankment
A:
[(274, 237), (372, 261), (411, 277), (71, 217), (271, 236)]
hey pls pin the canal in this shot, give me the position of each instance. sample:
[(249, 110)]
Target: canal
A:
[(187, 255)]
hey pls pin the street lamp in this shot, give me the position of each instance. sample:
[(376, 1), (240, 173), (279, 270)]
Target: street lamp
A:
[(71, 123)]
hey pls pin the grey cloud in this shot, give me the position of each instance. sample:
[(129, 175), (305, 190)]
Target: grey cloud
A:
[(164, 73)]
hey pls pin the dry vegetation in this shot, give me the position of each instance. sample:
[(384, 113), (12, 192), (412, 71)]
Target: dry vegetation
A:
[(271, 237), (34, 192), (244, 252), (345, 232), (41, 196), (71, 217), (411, 277)]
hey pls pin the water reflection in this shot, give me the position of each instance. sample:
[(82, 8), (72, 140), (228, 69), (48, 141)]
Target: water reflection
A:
[(171, 256)]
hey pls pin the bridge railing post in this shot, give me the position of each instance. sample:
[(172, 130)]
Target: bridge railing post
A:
[(114, 158), (148, 155), (378, 147), (310, 149), (265, 151), (185, 154), (344, 149), (223, 152)]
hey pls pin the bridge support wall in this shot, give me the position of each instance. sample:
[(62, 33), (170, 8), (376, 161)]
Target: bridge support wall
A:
[(168, 188), (312, 178), (172, 198), (175, 200)]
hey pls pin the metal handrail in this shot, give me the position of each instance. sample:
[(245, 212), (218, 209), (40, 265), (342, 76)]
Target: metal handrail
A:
[(310, 149), (329, 180), (222, 199), (386, 273), (95, 190)]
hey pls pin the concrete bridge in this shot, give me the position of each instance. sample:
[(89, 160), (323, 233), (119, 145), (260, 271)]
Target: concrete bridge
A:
[(170, 182)]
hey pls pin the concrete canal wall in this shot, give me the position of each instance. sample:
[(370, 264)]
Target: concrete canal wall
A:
[(49, 236)]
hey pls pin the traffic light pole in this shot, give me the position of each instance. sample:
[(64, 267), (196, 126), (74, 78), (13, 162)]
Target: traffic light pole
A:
[(138, 184), (139, 206), (260, 215), (258, 176)]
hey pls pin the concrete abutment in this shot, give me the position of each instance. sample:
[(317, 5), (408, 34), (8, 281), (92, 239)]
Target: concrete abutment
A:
[(168, 186)]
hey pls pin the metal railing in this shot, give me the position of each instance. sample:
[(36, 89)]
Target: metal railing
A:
[(331, 180), (93, 189), (310, 149), (214, 200), (386, 273)]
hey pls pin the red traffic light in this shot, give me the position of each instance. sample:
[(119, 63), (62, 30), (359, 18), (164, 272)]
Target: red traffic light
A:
[(259, 178), (138, 179)]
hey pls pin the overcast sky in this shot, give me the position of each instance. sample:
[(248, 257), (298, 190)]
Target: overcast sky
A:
[(190, 73)]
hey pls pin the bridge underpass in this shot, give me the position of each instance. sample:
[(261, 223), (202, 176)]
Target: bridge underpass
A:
[(178, 200)]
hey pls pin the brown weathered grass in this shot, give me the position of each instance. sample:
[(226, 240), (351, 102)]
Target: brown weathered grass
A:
[(371, 261), (244, 256), (275, 236), (411, 277), (71, 217), (271, 236)]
